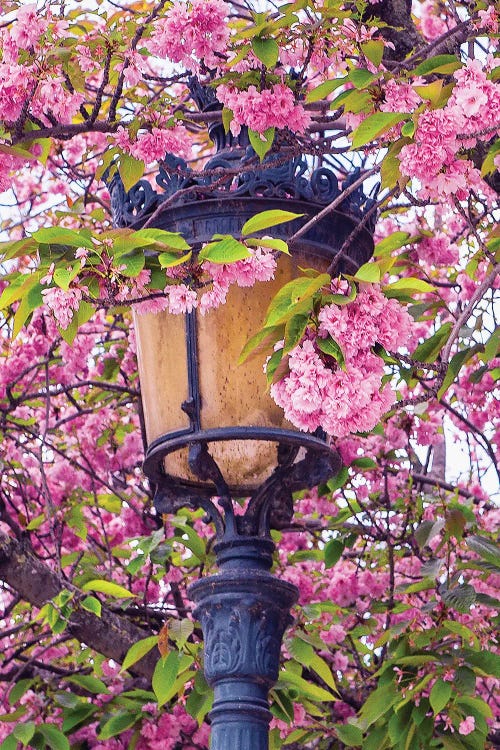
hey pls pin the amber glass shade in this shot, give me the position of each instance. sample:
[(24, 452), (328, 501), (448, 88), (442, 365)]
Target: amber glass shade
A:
[(232, 394), (233, 397)]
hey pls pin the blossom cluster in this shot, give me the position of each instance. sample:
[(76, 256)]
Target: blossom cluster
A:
[(473, 107), (154, 144), (191, 32), (260, 110), (212, 287), (319, 392)]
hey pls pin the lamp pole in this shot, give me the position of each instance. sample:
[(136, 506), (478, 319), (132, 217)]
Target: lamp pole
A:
[(200, 442)]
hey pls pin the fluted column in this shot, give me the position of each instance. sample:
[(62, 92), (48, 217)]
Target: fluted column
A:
[(244, 611)]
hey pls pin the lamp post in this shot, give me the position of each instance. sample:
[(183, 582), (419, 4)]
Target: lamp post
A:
[(214, 433)]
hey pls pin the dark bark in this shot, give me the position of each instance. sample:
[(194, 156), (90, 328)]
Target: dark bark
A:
[(110, 635), (400, 29)]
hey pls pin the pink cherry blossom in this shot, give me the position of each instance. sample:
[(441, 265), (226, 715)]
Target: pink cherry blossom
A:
[(467, 726), (260, 110), (28, 27), (181, 299), (62, 303), (191, 32)]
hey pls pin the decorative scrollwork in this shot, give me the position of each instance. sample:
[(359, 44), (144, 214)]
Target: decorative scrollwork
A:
[(246, 176), (324, 185), (139, 202), (230, 173)]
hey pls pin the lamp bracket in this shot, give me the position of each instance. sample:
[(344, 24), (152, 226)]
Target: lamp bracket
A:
[(270, 506)]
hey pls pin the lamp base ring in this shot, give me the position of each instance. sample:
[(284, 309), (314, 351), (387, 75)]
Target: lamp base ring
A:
[(287, 441)]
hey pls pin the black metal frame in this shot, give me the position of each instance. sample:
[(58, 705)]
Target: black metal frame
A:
[(292, 472)]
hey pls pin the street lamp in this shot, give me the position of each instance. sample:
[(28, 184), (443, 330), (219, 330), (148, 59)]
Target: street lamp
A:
[(214, 433)]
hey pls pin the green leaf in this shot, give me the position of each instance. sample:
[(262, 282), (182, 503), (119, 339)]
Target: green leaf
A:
[(227, 118), (293, 298), (484, 548), (131, 170), (31, 299), (361, 77), (180, 630), (77, 715), (266, 219), (164, 676), (53, 736), (227, 250), (324, 89), (262, 341), (391, 242), (168, 260), (333, 552), (266, 50), (438, 64), (291, 739), (329, 346), (198, 705), (191, 539), (487, 661), (349, 735), (64, 276), (294, 331), (409, 284), (19, 689), (131, 264), (17, 151), (62, 236), (338, 480), (274, 244), (109, 588), (429, 350), (390, 168), (455, 365), (434, 92), (368, 272), (9, 743), (489, 166), (91, 604), (492, 346), (377, 704), (117, 724), (460, 597), (305, 688), (440, 695), (276, 367), (24, 732), (377, 739), (138, 650), (475, 704), (301, 651), (320, 666), (408, 129), (363, 462), (261, 142), (427, 530), (374, 50), (89, 683), (374, 126)]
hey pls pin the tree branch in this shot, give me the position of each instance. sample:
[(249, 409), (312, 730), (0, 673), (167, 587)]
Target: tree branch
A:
[(111, 634)]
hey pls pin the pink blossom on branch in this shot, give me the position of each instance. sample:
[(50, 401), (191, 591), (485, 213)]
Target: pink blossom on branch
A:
[(318, 392), (467, 726), (192, 32), (260, 110), (62, 303)]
